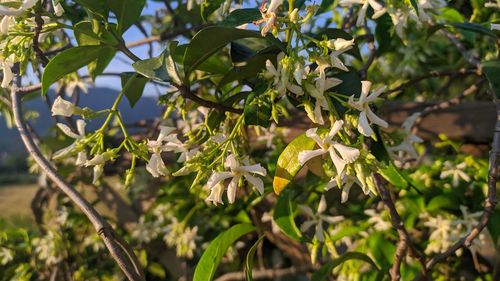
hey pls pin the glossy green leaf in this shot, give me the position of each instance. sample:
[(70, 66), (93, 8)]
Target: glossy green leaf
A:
[(210, 6), (209, 261), (392, 175), (97, 67), (474, 27), (326, 270), (288, 162), (241, 16), (133, 86), (154, 68), (250, 259), (491, 70), (414, 4), (257, 110), (69, 61), (211, 39), (95, 7), (127, 12), (442, 202), (284, 218)]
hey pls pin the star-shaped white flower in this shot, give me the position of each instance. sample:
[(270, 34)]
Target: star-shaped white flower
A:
[(363, 105), (318, 218), (378, 9), (155, 165), (216, 193), (340, 154), (269, 15), (281, 81), (456, 173), (236, 172), (27, 4), (406, 146), (82, 155), (63, 107), (339, 46), (346, 184)]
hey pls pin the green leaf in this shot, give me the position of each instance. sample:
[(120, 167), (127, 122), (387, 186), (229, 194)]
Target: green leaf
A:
[(213, 64), (474, 27), (212, 256), (95, 8), (211, 39), (133, 86), (414, 5), (288, 162), (154, 68), (241, 16), (69, 61), (250, 69), (250, 258), (442, 202), (283, 217), (257, 110), (97, 67), (127, 12), (392, 175), (210, 6), (326, 270), (491, 70), (85, 35)]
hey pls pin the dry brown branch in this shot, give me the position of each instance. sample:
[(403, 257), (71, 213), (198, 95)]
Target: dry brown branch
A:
[(119, 249), (405, 242), (490, 202), (271, 274)]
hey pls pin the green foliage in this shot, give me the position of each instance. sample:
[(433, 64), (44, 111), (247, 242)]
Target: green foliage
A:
[(212, 256)]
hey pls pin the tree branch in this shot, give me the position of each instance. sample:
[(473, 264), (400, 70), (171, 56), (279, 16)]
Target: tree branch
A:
[(490, 202), (118, 249), (271, 274), (186, 93), (404, 238)]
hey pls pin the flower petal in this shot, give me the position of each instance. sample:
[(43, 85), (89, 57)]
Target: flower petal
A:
[(256, 182), (231, 190), (306, 210), (231, 162), (348, 154), (363, 125), (217, 177), (322, 204), (337, 161), (375, 119), (306, 155)]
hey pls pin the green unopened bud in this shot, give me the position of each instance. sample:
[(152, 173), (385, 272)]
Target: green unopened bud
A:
[(129, 177), (294, 15)]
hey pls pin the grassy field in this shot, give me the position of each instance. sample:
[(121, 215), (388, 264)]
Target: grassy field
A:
[(15, 203)]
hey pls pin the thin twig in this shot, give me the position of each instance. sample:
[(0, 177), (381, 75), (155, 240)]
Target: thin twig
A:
[(470, 58), (186, 93), (405, 242), (36, 37), (490, 202), (119, 250), (432, 74), (271, 274)]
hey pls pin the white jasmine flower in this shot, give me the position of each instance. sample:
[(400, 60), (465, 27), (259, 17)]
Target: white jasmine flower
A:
[(363, 105), (146, 231), (346, 184), (318, 218), (58, 8), (340, 154), (378, 221), (378, 9), (281, 73), (63, 107), (82, 155), (215, 195), (442, 236), (456, 173), (7, 71), (190, 4), (424, 6), (339, 46), (406, 146), (5, 24), (155, 165), (27, 4), (236, 173), (49, 248), (99, 159), (269, 16), (181, 237), (399, 19), (6, 255), (495, 26), (492, 4)]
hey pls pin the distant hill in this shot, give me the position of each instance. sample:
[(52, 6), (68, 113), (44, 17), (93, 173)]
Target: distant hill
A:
[(10, 142)]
